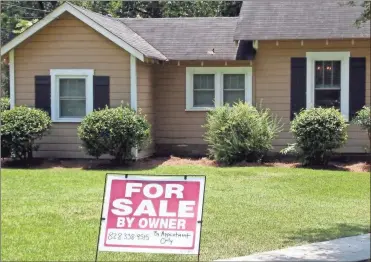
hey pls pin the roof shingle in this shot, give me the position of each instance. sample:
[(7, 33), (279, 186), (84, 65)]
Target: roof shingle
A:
[(299, 19), (188, 38)]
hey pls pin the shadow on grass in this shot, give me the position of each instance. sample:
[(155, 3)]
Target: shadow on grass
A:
[(323, 234)]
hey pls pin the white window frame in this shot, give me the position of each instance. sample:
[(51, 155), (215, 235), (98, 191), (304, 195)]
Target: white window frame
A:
[(218, 73), (57, 74), (344, 57)]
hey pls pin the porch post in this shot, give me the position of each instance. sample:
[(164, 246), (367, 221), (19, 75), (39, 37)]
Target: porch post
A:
[(133, 91), (133, 83), (11, 78)]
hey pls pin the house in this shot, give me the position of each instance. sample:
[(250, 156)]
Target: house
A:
[(284, 54)]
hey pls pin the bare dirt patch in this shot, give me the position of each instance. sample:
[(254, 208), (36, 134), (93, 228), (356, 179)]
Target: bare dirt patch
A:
[(153, 162)]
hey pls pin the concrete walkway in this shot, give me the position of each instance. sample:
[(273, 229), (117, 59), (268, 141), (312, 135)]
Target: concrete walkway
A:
[(355, 248)]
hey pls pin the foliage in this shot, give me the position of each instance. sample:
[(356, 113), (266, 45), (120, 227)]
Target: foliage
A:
[(5, 150), (114, 131), (363, 119), (4, 79), (365, 16), (4, 104), (159, 9), (21, 127), (241, 132), (317, 132), (22, 25)]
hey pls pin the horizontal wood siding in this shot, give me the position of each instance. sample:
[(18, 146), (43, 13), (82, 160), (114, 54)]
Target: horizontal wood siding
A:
[(271, 88), (174, 125), (146, 91), (272, 81), (68, 43)]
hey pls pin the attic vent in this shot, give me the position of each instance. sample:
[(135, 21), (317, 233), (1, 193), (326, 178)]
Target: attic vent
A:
[(211, 52)]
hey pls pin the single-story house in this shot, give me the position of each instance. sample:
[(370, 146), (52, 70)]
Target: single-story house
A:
[(282, 54)]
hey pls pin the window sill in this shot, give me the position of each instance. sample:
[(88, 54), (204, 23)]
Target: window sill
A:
[(67, 120), (200, 109)]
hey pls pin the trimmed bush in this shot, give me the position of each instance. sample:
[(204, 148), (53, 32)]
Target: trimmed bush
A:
[(5, 150), (317, 132), (363, 119), (240, 133), (114, 131), (4, 104), (21, 127)]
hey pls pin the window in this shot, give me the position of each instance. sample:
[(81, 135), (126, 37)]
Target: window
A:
[(204, 90), (233, 88), (72, 94), (207, 87), (328, 80), (72, 97), (327, 84)]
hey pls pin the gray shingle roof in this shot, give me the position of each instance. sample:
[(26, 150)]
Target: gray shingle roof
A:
[(188, 38), (299, 19), (123, 32)]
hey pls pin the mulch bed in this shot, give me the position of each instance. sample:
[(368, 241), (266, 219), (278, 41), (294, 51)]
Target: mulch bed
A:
[(153, 162)]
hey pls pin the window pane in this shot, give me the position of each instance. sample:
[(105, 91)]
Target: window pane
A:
[(72, 108), (203, 98), (319, 74), (336, 66), (231, 97), (327, 98), (72, 101), (327, 74), (203, 81), (72, 87), (233, 81)]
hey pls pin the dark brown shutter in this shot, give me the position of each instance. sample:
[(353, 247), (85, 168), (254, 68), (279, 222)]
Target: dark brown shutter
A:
[(100, 92), (357, 84), (42, 93), (298, 85)]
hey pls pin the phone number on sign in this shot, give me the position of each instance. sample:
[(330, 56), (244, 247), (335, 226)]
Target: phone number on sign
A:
[(140, 237), (127, 236)]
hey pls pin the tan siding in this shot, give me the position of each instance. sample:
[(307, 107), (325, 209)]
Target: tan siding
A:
[(174, 125), (145, 85), (272, 86), (68, 43)]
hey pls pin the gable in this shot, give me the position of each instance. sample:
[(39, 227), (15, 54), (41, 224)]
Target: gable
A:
[(67, 32), (69, 37), (112, 29)]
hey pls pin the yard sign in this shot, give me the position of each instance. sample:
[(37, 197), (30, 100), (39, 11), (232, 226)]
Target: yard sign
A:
[(152, 214)]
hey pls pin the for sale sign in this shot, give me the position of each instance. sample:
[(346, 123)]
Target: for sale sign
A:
[(152, 214)]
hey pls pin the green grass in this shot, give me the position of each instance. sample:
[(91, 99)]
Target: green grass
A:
[(53, 214)]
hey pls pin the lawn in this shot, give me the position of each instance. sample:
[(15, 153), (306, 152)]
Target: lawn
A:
[(53, 214)]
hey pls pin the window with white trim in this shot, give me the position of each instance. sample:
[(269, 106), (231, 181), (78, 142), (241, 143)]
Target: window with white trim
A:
[(328, 80), (71, 94), (207, 87)]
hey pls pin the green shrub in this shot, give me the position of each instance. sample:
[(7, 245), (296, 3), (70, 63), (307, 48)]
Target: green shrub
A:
[(114, 131), (21, 127), (363, 119), (240, 133), (4, 104), (317, 132), (5, 150)]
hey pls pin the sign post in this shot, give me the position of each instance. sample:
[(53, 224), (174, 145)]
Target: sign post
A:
[(152, 214)]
